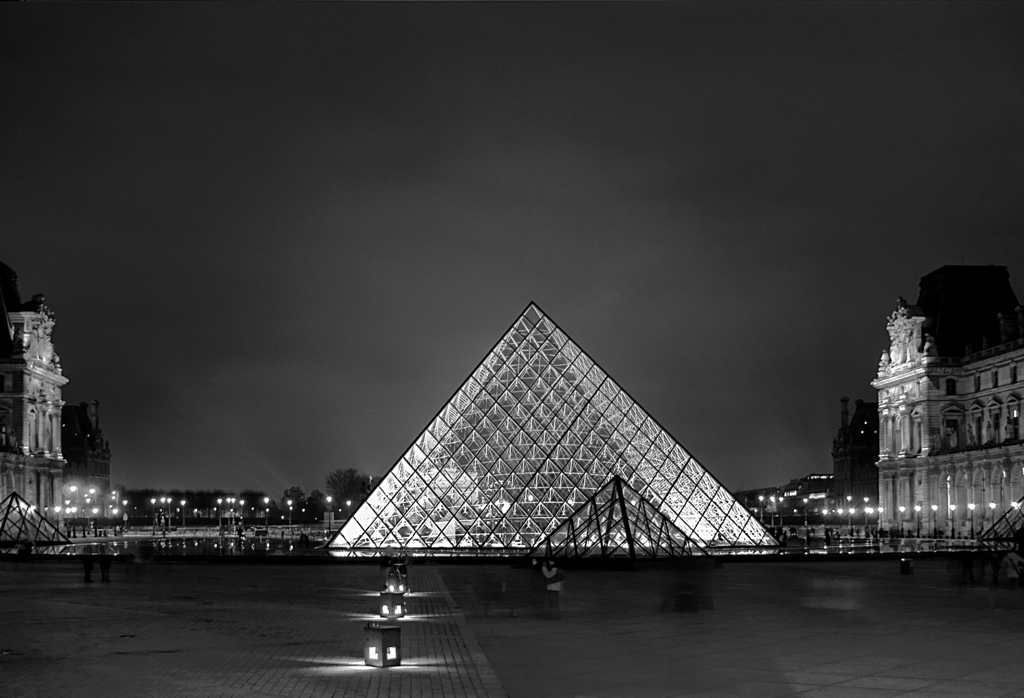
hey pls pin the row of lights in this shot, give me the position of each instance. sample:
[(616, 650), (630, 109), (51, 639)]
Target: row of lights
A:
[(68, 508)]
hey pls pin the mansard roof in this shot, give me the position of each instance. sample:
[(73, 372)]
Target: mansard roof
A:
[(962, 304), (10, 300)]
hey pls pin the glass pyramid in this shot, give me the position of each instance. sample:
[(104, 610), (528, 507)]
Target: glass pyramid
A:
[(536, 430), (21, 521), (617, 522)]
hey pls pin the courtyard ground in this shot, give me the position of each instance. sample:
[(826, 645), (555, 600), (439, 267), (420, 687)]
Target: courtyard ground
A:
[(814, 629)]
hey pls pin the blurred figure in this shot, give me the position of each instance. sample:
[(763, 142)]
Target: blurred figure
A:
[(538, 587), (554, 587), (1011, 567)]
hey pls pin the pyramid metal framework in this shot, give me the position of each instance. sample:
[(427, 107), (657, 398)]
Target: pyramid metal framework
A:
[(617, 522), (1008, 528), (535, 430), (21, 521)]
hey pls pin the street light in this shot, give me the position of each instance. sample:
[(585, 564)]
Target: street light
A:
[(805, 516), (849, 514), (902, 510), (917, 518), (183, 513), (935, 508), (289, 512), (760, 508), (266, 513), (153, 502), (952, 520), (992, 508), (971, 507), (878, 532)]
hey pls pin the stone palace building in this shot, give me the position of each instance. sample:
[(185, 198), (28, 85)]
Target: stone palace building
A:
[(951, 459), (31, 380)]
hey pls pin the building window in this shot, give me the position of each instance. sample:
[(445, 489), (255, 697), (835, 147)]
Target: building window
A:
[(2, 384), (951, 386), (1013, 373), (977, 382), (995, 378)]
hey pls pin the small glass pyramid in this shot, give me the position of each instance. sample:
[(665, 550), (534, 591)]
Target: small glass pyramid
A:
[(617, 522), (536, 430), (21, 522), (1007, 528)]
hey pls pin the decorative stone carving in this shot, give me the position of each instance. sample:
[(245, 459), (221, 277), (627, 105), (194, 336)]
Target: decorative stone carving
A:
[(905, 339), (39, 345)]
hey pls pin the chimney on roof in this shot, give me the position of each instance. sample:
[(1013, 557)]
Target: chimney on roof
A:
[(1009, 329), (93, 410), (844, 414)]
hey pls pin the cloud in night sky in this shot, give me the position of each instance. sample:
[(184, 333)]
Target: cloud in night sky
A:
[(278, 236)]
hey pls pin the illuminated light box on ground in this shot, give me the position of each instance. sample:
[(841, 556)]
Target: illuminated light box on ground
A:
[(383, 645), (392, 605), (536, 430)]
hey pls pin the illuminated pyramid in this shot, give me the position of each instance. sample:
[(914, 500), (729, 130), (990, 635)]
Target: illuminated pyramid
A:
[(617, 522), (21, 521), (534, 432)]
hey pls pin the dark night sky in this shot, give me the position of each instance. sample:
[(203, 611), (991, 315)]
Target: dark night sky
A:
[(278, 236)]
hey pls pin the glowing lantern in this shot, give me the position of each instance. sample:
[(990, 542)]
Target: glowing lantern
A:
[(383, 646), (392, 605)]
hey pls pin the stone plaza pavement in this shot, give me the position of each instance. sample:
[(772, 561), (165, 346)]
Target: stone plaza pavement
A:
[(814, 629), (192, 629)]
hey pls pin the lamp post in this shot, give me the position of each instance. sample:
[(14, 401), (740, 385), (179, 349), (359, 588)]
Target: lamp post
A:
[(917, 518), (805, 516), (183, 513), (289, 513), (760, 508), (971, 507), (992, 516), (849, 515), (220, 526), (935, 508), (329, 500), (153, 502), (266, 513), (348, 513), (903, 510), (952, 520), (878, 532)]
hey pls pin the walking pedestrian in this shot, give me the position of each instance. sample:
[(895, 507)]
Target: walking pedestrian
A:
[(554, 587), (105, 568)]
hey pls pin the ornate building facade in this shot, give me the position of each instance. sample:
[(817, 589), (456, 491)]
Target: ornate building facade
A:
[(951, 458), (31, 381), (855, 454)]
